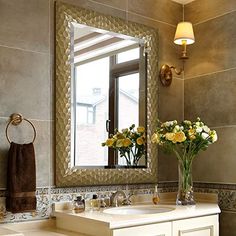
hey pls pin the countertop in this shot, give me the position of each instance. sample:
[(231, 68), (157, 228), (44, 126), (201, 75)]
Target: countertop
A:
[(35, 228), (119, 221)]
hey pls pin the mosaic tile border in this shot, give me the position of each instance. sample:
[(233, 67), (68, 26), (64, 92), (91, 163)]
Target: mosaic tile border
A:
[(226, 192), (47, 196)]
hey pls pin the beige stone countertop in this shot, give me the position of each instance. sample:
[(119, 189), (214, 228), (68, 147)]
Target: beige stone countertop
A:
[(34, 228), (4, 232), (114, 221)]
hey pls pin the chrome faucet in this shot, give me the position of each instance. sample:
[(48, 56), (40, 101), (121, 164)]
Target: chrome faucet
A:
[(119, 198)]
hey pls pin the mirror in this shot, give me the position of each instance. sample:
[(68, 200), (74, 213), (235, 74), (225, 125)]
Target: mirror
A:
[(109, 92), (106, 77)]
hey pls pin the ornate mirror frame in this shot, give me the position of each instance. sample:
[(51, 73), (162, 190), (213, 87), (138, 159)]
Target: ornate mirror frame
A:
[(66, 175)]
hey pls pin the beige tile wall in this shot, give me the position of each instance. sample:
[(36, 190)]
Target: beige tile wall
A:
[(210, 84), (26, 64)]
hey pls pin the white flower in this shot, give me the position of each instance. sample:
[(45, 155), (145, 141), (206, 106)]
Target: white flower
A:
[(181, 128), (206, 129), (167, 123), (177, 128), (199, 129), (214, 136), (205, 135), (198, 123)]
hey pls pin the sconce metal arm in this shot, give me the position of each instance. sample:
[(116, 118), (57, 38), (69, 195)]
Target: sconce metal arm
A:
[(165, 74)]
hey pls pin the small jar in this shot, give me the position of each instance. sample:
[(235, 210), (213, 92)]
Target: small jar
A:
[(78, 205)]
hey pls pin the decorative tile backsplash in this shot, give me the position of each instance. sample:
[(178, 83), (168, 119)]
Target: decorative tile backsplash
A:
[(47, 196)]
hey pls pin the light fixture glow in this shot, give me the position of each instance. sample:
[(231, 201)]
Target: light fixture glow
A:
[(184, 33)]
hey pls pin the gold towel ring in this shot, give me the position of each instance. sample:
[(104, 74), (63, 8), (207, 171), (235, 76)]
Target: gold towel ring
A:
[(16, 119)]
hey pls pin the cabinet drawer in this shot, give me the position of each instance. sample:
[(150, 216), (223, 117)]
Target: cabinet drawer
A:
[(161, 229), (201, 226)]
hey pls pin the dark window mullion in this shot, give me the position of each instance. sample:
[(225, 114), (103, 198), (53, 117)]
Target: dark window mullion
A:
[(112, 106)]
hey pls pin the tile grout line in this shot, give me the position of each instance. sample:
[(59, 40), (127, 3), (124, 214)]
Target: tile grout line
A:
[(215, 17), (25, 50), (212, 73), (149, 18), (223, 126)]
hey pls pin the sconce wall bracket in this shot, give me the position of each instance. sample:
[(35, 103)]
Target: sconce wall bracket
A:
[(165, 74)]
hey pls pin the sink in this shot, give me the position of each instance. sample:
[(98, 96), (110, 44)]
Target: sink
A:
[(138, 210)]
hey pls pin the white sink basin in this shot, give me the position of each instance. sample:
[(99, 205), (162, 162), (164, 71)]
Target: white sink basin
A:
[(138, 210)]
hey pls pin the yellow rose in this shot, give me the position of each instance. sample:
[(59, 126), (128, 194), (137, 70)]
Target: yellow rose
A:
[(179, 137), (140, 141), (170, 136), (119, 143), (155, 138), (126, 142), (110, 142), (141, 129), (192, 133)]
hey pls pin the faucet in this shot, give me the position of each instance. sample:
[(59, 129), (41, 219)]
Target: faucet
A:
[(119, 198)]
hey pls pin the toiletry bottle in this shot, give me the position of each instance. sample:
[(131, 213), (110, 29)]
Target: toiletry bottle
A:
[(94, 203), (79, 205), (155, 198)]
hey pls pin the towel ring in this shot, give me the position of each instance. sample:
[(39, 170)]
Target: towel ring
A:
[(16, 119)]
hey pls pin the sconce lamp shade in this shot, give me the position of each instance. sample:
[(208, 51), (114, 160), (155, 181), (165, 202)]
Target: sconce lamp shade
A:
[(184, 33)]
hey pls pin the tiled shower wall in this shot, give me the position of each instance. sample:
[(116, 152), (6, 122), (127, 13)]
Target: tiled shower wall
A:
[(209, 92), (27, 80)]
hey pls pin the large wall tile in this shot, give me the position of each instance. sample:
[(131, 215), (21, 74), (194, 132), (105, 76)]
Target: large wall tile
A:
[(167, 167), (214, 49), (217, 163), (212, 98), (43, 148), (24, 83), (162, 10), (96, 6), (171, 101), (25, 24), (227, 223), (202, 10)]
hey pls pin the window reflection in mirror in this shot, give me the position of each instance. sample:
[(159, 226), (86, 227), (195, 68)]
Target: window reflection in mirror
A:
[(108, 92)]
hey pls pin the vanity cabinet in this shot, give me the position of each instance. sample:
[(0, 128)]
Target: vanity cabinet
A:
[(200, 226), (199, 220)]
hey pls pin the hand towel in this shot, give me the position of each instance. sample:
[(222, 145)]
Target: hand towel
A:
[(21, 178)]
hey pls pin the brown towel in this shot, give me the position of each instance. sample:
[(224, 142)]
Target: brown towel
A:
[(21, 178)]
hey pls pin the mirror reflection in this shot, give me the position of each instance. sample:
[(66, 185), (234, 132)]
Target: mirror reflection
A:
[(108, 93)]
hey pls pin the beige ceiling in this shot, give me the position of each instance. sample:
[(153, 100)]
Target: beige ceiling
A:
[(183, 1)]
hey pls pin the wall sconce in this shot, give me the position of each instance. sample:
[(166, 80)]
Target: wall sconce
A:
[(183, 36)]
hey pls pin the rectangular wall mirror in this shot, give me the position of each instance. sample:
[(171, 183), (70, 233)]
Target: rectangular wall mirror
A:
[(109, 92), (106, 79)]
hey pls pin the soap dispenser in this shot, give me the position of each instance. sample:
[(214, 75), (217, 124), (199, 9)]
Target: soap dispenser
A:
[(155, 198), (79, 204)]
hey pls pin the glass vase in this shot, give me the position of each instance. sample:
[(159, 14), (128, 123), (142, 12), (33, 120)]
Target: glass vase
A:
[(185, 185)]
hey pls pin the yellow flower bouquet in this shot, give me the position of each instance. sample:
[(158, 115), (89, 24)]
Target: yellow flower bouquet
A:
[(185, 140), (130, 143)]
